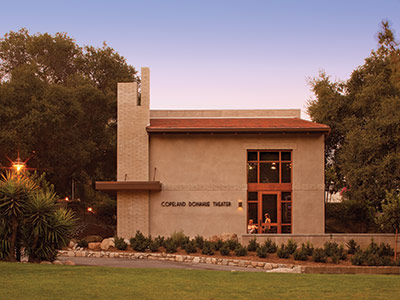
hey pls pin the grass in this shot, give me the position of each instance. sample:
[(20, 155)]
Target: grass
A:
[(28, 281)]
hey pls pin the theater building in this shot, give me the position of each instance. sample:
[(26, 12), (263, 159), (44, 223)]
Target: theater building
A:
[(210, 172)]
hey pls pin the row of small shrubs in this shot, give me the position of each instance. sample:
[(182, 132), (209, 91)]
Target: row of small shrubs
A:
[(374, 255)]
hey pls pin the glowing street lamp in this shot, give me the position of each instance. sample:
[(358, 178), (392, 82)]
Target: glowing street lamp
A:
[(18, 165)]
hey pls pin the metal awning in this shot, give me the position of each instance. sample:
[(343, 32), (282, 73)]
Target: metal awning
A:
[(112, 187)]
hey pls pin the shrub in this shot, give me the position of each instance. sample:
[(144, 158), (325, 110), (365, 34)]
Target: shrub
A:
[(232, 243), (352, 247), (271, 246), (308, 248), (240, 250), (300, 254), (385, 250), (190, 247), (160, 240), (199, 241), (291, 246), (253, 245), (225, 250), (262, 251), (397, 262), (358, 258), (179, 238), (120, 243), (218, 244), (153, 246), (208, 248), (139, 242), (283, 252), (83, 243), (170, 246), (335, 258), (319, 255), (331, 248)]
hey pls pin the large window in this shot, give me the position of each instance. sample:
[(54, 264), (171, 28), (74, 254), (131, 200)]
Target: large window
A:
[(269, 198), (269, 167)]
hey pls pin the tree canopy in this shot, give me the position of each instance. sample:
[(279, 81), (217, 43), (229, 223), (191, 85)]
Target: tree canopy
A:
[(363, 149), (58, 99)]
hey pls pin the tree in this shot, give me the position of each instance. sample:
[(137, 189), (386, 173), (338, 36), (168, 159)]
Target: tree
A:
[(59, 100), (31, 219), (389, 219), (363, 113)]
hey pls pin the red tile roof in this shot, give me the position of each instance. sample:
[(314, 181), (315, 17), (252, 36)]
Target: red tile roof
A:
[(236, 125)]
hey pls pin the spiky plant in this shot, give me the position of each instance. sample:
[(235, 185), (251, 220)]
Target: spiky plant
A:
[(14, 197)]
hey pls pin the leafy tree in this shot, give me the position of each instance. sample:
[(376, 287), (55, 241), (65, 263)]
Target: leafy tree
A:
[(389, 219), (363, 148), (59, 100), (31, 218)]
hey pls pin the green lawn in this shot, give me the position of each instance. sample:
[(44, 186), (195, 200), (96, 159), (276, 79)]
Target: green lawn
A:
[(27, 281)]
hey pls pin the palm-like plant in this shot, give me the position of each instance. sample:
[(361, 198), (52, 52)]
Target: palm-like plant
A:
[(47, 227), (31, 218), (14, 196)]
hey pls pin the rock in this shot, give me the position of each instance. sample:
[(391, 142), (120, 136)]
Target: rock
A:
[(71, 244), (268, 266), (196, 260), (297, 269), (282, 270), (70, 253), (107, 243), (45, 262), (57, 262), (69, 263), (179, 258), (94, 246)]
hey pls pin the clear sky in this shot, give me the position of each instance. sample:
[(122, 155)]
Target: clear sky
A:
[(219, 54)]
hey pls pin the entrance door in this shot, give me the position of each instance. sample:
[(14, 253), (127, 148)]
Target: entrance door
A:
[(269, 204)]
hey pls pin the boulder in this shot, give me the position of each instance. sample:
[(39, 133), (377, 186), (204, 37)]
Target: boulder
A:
[(94, 246), (45, 262), (71, 244), (107, 243), (57, 262), (69, 263)]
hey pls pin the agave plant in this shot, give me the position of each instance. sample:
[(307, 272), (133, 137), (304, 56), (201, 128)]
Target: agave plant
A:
[(14, 197), (31, 218), (47, 227)]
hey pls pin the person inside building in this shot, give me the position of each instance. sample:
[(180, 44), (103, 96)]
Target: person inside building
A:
[(267, 222), (251, 227)]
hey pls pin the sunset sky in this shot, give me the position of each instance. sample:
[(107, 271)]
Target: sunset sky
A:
[(219, 54)]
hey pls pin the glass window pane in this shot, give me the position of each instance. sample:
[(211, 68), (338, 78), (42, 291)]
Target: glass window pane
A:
[(269, 206), (286, 229), (269, 172), (269, 155), (251, 156), (286, 196), (252, 172), (286, 172), (272, 229), (286, 212), (286, 156), (253, 212), (252, 196)]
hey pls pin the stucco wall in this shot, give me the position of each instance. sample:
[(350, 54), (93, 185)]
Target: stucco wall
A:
[(206, 167)]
